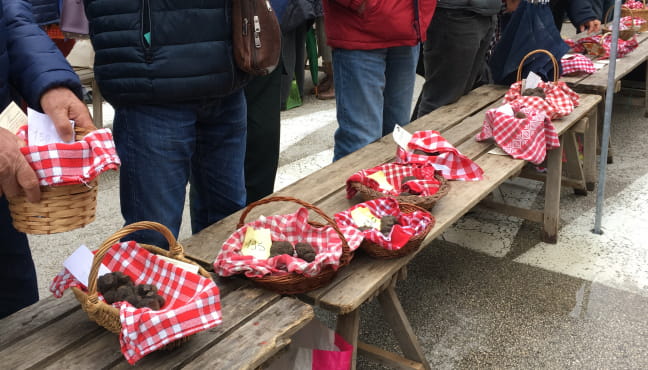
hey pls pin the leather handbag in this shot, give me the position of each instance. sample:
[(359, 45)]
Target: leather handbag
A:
[(73, 18), (256, 36)]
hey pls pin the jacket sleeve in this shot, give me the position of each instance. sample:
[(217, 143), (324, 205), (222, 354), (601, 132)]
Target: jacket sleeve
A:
[(35, 63), (351, 4), (579, 12)]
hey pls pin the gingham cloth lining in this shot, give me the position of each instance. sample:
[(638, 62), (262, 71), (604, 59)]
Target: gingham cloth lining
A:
[(75, 163), (623, 47), (425, 182), (559, 99), (293, 228), (449, 161), (522, 138), (577, 63), (410, 224), (632, 4), (192, 301)]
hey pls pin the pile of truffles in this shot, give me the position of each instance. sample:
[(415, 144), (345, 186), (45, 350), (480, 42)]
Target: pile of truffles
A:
[(386, 224), (408, 190), (304, 251), (117, 286), (536, 91)]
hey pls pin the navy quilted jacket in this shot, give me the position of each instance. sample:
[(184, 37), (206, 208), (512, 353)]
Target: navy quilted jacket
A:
[(162, 52), (29, 62)]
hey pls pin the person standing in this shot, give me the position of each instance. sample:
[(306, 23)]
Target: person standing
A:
[(375, 50), (454, 54), (31, 65), (180, 113)]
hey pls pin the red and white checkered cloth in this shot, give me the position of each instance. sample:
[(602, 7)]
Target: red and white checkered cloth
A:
[(559, 99), (293, 228), (578, 63), (600, 46), (447, 159), (410, 224), (425, 184), (522, 138), (632, 4), (74, 163), (192, 301), (574, 46), (627, 22)]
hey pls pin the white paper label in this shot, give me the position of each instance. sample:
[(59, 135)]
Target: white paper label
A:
[(41, 129), (12, 118), (531, 81), (80, 262), (401, 137), (184, 265), (506, 109)]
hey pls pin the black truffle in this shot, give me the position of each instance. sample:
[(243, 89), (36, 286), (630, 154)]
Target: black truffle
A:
[(520, 114), (537, 91), (386, 224), (281, 247), (146, 290), (305, 251)]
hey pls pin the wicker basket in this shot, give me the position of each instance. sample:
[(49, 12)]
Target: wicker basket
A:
[(553, 61), (637, 13), (426, 202), (294, 283), (624, 35), (101, 312), (596, 48), (61, 208), (376, 251)]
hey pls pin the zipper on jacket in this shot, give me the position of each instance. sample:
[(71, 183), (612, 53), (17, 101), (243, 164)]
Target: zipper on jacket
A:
[(146, 29), (417, 24)]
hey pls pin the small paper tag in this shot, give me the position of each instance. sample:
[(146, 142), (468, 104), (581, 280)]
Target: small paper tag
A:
[(531, 81), (257, 243), (184, 265), (12, 118), (381, 179), (402, 137), (506, 109), (80, 263), (41, 129), (497, 151), (363, 217)]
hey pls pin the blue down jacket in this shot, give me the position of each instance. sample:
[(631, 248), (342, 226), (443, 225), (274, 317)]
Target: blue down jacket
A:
[(30, 63), (163, 52)]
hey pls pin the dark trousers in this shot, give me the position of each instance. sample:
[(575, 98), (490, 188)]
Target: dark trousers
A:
[(263, 128), (18, 287), (454, 56), (293, 55)]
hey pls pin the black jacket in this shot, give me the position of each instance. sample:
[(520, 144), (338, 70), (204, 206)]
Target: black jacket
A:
[(45, 11), (578, 12), (162, 52)]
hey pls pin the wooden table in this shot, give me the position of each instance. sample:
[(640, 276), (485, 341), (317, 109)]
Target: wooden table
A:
[(57, 334), (597, 82), (365, 278), (86, 75)]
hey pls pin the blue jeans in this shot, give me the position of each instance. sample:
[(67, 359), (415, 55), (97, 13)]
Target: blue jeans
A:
[(17, 273), (162, 148), (373, 92)]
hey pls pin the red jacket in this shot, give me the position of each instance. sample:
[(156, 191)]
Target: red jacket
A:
[(382, 24)]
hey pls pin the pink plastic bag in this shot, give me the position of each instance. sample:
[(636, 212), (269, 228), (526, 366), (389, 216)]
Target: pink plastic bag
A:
[(315, 347)]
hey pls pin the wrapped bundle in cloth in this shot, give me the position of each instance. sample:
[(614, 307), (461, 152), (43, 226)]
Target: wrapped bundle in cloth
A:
[(391, 229), (555, 98), (287, 273), (420, 185), (600, 45), (192, 300), (574, 65), (522, 132), (432, 149), (68, 175)]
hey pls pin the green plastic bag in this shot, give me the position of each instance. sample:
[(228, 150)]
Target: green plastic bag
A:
[(294, 100)]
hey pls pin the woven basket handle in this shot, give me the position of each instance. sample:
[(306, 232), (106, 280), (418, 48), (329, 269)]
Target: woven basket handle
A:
[(175, 250), (346, 251), (607, 14), (553, 60)]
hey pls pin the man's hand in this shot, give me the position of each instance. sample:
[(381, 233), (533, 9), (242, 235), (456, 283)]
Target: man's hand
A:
[(15, 173), (592, 26), (62, 106)]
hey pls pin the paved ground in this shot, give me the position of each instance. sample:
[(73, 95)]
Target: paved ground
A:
[(489, 294)]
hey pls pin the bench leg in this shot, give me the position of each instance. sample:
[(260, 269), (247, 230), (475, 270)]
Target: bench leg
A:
[(646, 93), (599, 129), (97, 107), (574, 167), (589, 150), (348, 326), (552, 194), (401, 327)]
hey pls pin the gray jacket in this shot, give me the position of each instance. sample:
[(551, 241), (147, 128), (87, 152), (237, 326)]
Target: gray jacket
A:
[(483, 7)]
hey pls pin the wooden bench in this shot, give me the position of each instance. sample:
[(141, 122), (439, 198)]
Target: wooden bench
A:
[(365, 278), (57, 334), (86, 75), (597, 82)]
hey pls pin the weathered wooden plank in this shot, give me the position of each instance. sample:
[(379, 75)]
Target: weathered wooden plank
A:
[(389, 359), (238, 308), (99, 352), (51, 341), (348, 326), (31, 319), (257, 340), (552, 194)]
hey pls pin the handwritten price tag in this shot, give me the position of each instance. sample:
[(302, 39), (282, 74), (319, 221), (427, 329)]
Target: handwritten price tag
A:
[(363, 217), (381, 179), (257, 243)]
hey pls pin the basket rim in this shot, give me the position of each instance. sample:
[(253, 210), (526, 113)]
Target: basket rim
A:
[(426, 202)]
